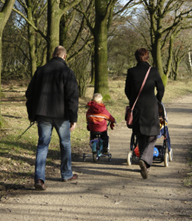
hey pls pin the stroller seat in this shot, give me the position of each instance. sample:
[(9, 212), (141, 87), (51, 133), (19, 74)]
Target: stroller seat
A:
[(162, 153)]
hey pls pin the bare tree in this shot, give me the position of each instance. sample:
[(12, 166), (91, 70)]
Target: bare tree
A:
[(56, 10), (99, 26), (33, 11), (165, 18), (4, 16), (52, 32)]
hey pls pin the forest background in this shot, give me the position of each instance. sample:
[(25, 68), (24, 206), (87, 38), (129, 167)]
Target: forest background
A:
[(101, 38)]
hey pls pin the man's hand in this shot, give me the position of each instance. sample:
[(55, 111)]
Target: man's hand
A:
[(32, 119), (72, 126)]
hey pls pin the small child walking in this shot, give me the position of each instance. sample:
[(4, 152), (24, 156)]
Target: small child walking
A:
[(97, 117)]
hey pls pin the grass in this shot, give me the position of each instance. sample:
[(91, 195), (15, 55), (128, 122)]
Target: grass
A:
[(17, 156)]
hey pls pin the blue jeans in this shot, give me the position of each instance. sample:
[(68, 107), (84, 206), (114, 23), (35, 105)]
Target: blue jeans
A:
[(45, 127)]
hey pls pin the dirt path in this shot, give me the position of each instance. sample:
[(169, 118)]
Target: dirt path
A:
[(113, 191)]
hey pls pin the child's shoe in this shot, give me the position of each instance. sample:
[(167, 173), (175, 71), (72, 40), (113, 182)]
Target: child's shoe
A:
[(105, 150)]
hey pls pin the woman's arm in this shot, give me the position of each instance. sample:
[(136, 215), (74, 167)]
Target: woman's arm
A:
[(128, 85), (160, 87)]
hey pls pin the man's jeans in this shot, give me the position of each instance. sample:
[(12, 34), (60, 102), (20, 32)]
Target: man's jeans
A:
[(45, 127)]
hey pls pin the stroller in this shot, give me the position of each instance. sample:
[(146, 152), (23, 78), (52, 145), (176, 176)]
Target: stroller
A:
[(161, 153)]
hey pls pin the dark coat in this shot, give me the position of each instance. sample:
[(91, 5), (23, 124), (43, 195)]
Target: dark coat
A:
[(53, 92), (145, 114)]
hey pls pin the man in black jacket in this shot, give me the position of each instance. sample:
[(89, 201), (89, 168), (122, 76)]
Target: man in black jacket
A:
[(52, 101)]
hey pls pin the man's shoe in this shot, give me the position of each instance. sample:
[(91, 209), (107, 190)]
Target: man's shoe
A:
[(75, 176), (143, 167), (39, 185)]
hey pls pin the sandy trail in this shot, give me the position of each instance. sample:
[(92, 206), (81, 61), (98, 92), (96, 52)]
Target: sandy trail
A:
[(112, 190)]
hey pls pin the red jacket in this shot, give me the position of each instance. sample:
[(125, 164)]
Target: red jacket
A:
[(97, 117)]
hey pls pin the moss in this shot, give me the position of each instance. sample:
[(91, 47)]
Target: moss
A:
[(106, 97), (164, 79)]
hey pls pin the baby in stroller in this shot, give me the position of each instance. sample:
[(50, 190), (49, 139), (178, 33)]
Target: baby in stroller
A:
[(159, 154), (163, 123), (97, 117)]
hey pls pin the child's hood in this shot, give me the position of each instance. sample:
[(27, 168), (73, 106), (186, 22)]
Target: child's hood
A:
[(96, 107)]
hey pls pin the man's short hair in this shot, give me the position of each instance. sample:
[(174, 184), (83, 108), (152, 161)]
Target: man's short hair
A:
[(98, 98), (59, 51)]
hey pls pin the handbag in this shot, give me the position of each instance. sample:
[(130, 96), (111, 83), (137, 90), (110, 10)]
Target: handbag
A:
[(129, 116), (129, 110)]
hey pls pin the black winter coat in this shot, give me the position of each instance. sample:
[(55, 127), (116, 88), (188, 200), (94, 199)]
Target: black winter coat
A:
[(145, 113), (53, 92)]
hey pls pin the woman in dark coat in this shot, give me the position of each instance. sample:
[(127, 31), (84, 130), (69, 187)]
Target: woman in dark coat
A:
[(145, 115)]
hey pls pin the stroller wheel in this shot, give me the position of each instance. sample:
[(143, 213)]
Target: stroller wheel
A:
[(95, 157), (129, 158), (166, 160), (171, 155)]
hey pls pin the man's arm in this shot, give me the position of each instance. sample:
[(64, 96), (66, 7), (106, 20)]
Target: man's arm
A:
[(71, 97), (30, 96)]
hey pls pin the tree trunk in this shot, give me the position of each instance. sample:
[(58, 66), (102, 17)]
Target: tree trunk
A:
[(32, 42), (190, 62), (92, 68), (176, 70), (55, 12), (170, 56), (63, 32), (4, 16), (53, 27), (101, 57), (101, 72)]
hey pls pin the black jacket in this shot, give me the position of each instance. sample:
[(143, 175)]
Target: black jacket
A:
[(145, 114), (53, 92)]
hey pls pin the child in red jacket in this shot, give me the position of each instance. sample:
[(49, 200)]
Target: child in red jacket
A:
[(97, 117)]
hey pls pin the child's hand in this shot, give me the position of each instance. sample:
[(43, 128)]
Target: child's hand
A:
[(112, 125)]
